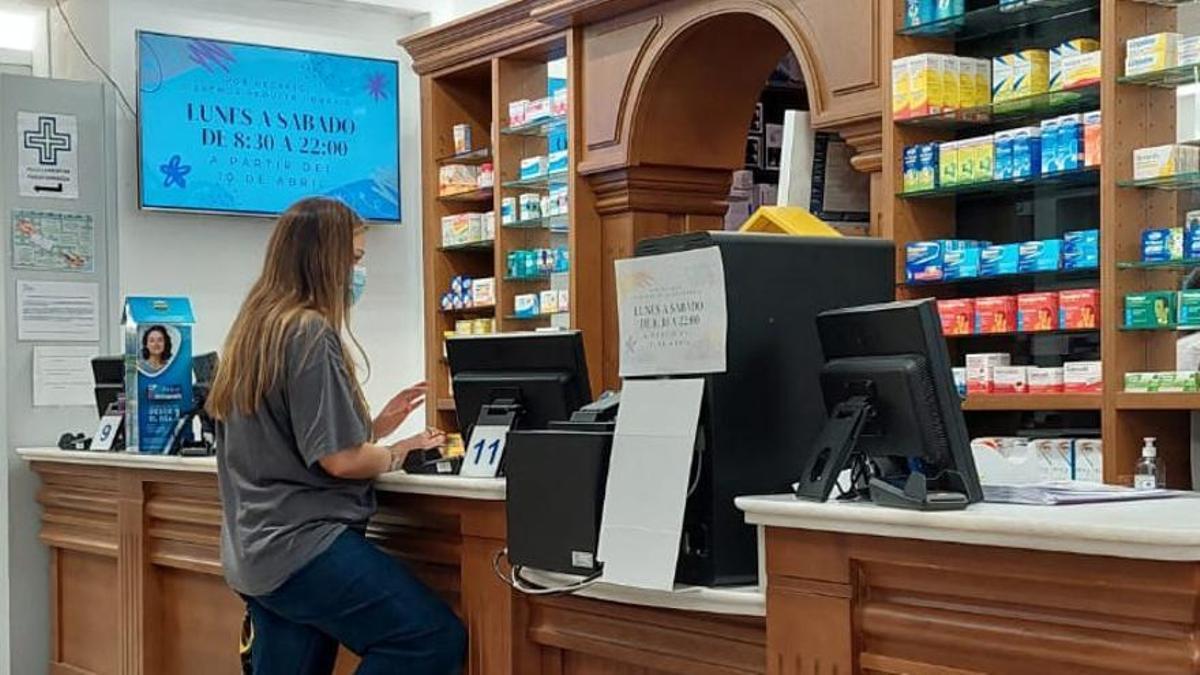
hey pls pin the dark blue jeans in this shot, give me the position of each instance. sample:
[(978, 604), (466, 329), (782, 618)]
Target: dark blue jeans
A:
[(356, 595)]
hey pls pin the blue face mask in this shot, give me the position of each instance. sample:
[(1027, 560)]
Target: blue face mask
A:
[(358, 283)]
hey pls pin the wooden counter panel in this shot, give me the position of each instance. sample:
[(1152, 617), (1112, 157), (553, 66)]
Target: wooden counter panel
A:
[(198, 623), (884, 604), (576, 636), (83, 590)]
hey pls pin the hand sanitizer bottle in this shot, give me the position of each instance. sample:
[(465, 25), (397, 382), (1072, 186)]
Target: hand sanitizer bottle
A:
[(1150, 473)]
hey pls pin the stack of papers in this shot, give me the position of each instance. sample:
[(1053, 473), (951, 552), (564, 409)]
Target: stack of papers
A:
[(1051, 493)]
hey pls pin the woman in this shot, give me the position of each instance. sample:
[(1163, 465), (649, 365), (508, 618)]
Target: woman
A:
[(296, 458), (156, 349)]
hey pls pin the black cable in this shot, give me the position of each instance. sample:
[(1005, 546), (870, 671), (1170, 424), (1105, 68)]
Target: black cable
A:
[(87, 55)]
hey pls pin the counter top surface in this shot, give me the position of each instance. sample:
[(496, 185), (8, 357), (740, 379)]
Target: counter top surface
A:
[(485, 489), (1162, 529), (734, 600)]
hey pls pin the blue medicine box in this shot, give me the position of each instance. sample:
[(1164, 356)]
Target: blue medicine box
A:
[(1081, 250), (1162, 244), (925, 260), (1191, 236), (158, 367), (1040, 256), (998, 260), (961, 264)]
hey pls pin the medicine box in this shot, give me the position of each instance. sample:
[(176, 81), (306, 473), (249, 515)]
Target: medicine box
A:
[(530, 206), (1037, 312), (1083, 377), (983, 81), (564, 300), (946, 9), (517, 112), (1045, 380), (462, 138), (999, 260), (960, 381), (533, 167), (1003, 169), (980, 368), (1141, 383), (1059, 55), (1050, 160), (948, 164), (1002, 77), (1010, 380), (900, 88), (526, 305), (911, 177), (548, 302), (1079, 309), (1053, 456), (985, 157), (925, 85), (961, 263), (158, 388), (965, 150), (1081, 249), (539, 109), (483, 292), (1151, 53), (1092, 138), (508, 210), (1069, 145), (556, 162), (927, 166), (560, 102), (1040, 256), (1189, 308), (951, 99), (1153, 309), (968, 93), (925, 260), (1031, 73), (1191, 235), (957, 316), (996, 314), (1178, 382), (1087, 455), (1080, 70), (1189, 51), (1162, 244), (1165, 161), (1026, 152)]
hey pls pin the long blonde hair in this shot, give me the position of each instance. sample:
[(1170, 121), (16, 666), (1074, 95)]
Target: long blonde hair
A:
[(305, 278)]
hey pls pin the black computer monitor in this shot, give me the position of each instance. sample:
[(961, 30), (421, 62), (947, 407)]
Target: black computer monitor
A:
[(894, 413), (108, 372), (544, 375)]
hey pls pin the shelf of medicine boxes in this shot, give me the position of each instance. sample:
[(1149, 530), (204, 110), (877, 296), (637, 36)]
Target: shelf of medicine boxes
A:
[(537, 128), (1169, 78), (1064, 179), (1025, 334), (1162, 265), (1050, 275), (1031, 402), (1183, 181), (535, 317), (481, 310), (540, 182), (1026, 109), (478, 156), (479, 196), (482, 246), (999, 18), (560, 223)]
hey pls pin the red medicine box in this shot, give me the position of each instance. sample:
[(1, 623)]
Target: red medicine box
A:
[(1037, 312), (958, 316), (1079, 309), (997, 314)]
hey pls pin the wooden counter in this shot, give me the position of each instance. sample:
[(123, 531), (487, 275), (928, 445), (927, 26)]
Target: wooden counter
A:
[(998, 588)]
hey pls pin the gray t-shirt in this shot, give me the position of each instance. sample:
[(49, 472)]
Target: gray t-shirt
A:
[(281, 508)]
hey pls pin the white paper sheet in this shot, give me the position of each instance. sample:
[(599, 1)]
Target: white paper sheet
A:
[(53, 311), (48, 155), (62, 376), (672, 313), (648, 478)]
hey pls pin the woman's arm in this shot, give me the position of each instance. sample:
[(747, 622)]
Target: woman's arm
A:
[(369, 460)]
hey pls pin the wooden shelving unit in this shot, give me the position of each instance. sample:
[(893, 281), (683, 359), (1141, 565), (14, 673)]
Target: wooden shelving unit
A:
[(478, 94), (1136, 112)]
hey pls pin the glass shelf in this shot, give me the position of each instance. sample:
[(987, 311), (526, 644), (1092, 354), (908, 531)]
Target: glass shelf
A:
[(1183, 181), (559, 223), (470, 311), (1029, 108), (1164, 327), (1166, 265), (995, 19), (1079, 331), (469, 196), (541, 278), (537, 317), (1082, 177), (477, 156), (537, 128), (1054, 275), (485, 245), (1169, 78), (539, 183)]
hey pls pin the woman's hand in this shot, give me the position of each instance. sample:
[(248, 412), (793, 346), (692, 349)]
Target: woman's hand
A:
[(398, 409), (430, 438)]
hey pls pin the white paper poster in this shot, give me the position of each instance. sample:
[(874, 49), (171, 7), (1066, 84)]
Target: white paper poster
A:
[(48, 155), (672, 313), (54, 311), (62, 376), (648, 477), (52, 241)]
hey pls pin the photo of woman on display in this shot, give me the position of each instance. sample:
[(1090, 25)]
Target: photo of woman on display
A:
[(157, 349)]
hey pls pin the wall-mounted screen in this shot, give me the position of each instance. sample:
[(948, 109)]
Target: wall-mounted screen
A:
[(236, 128)]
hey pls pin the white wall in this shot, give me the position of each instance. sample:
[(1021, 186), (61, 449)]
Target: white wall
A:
[(213, 259)]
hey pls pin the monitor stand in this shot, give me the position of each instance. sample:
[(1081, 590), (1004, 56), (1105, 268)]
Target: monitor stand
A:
[(916, 495)]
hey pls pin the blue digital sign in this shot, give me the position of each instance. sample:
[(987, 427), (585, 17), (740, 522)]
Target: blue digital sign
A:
[(230, 127)]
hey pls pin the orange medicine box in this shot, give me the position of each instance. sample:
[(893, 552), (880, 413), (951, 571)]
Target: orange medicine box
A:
[(1091, 138), (1037, 312), (958, 316), (997, 314), (1079, 309)]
